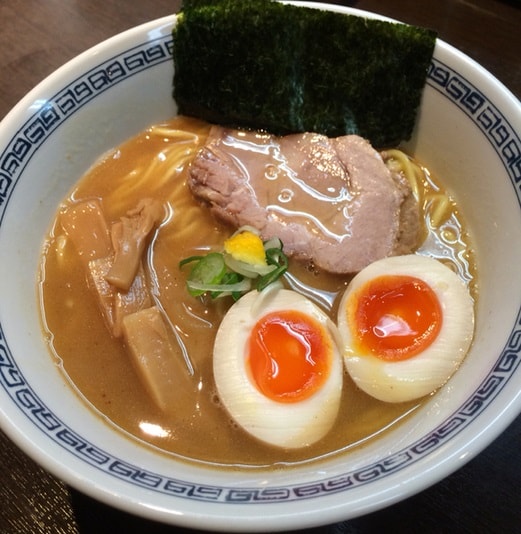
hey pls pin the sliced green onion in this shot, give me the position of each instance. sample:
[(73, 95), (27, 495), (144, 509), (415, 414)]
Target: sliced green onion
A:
[(221, 275), (243, 285), (235, 284), (274, 242), (246, 269), (276, 258), (190, 259), (208, 271)]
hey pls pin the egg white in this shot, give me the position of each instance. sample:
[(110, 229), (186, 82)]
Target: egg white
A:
[(288, 425), (419, 375)]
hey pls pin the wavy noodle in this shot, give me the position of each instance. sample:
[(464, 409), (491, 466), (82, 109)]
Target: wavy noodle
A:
[(185, 224), (398, 161), (440, 208), (151, 176), (443, 236), (437, 206)]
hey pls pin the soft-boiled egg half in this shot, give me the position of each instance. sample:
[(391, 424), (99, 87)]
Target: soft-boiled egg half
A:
[(406, 323), (278, 368)]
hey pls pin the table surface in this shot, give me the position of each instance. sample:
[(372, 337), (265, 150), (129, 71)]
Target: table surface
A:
[(38, 36)]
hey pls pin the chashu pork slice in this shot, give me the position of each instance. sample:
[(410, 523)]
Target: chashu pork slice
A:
[(332, 201)]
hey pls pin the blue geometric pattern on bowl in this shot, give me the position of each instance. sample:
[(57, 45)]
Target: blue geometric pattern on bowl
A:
[(483, 113), (101, 78)]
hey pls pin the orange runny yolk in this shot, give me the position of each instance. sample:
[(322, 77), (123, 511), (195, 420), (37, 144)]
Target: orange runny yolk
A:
[(394, 317), (288, 355)]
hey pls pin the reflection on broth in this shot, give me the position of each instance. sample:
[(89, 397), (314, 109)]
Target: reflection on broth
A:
[(154, 165)]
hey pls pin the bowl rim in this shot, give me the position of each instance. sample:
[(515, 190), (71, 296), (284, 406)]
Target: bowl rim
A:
[(461, 451)]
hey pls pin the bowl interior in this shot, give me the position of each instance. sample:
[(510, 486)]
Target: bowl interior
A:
[(468, 134)]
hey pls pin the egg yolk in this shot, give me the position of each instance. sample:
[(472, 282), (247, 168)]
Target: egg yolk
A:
[(288, 356), (394, 317)]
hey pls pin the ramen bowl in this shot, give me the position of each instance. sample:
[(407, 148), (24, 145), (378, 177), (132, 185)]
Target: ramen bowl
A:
[(468, 132)]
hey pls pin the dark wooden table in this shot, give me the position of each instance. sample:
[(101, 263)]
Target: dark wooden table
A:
[(36, 37)]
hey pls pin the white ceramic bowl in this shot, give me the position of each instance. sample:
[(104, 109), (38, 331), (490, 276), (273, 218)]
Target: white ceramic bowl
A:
[(468, 133)]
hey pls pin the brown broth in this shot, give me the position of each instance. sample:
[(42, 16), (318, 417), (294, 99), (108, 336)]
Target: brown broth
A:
[(100, 369)]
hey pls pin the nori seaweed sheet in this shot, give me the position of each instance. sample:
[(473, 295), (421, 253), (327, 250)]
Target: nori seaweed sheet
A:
[(261, 64)]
